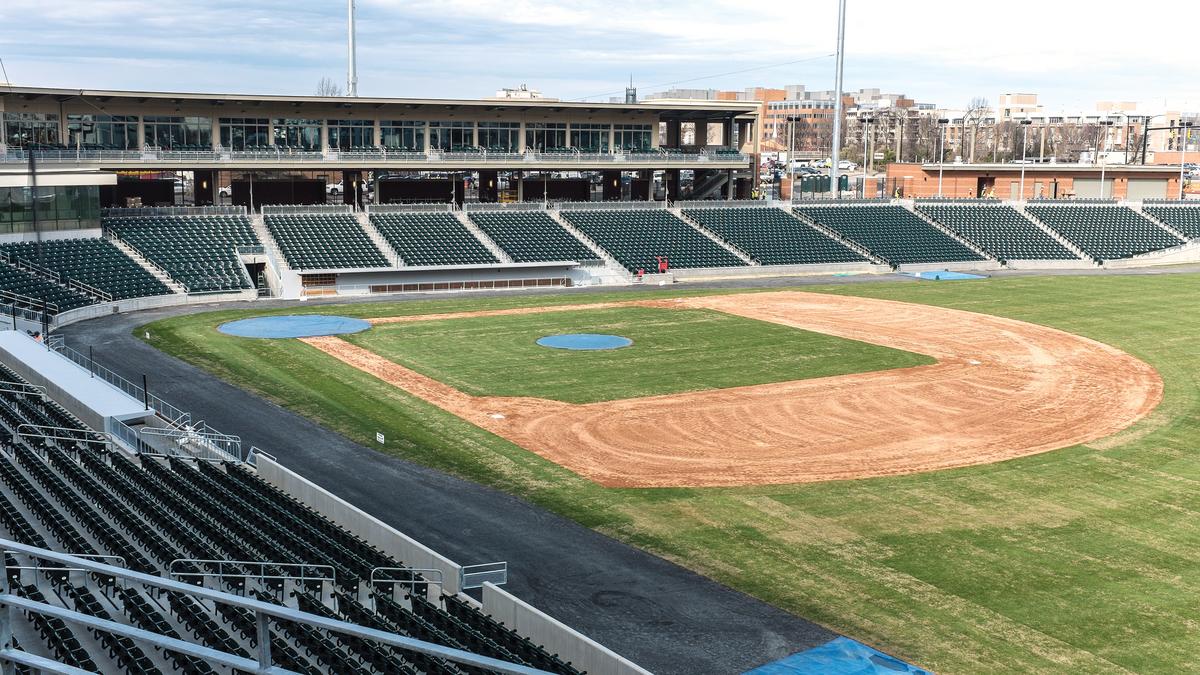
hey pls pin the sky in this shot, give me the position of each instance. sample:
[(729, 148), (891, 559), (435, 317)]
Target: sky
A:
[(1071, 53)]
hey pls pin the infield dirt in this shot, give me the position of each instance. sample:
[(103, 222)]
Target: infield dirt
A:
[(1000, 389)]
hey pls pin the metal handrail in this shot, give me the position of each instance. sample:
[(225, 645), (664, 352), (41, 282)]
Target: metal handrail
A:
[(263, 613), (262, 566), (412, 583), (54, 437)]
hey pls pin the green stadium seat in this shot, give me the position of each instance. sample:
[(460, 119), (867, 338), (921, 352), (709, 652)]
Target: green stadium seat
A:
[(636, 238), (531, 236)]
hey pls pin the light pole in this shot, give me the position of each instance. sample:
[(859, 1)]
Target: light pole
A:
[(867, 124), (1105, 125), (1024, 146), (942, 122), (792, 158), (1185, 129), (837, 103)]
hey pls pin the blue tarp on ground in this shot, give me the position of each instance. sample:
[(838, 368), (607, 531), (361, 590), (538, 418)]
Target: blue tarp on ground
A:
[(943, 275), (584, 341), (840, 656), (293, 326)]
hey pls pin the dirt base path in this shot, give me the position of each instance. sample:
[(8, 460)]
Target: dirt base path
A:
[(1000, 389)]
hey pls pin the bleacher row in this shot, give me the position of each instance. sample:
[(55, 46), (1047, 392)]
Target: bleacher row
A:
[(70, 492)]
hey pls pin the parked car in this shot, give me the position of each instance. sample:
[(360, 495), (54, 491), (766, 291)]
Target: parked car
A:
[(334, 189)]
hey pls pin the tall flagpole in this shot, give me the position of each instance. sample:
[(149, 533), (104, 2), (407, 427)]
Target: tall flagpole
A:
[(837, 103)]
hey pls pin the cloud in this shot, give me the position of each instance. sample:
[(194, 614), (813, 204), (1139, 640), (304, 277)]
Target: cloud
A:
[(1071, 53)]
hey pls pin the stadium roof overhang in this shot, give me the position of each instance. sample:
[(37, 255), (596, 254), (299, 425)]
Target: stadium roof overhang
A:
[(667, 109)]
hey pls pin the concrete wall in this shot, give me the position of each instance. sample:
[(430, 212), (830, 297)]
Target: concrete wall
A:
[(752, 271), (150, 302), (1049, 264), (358, 522), (558, 638), (51, 235), (969, 266), (1184, 253)]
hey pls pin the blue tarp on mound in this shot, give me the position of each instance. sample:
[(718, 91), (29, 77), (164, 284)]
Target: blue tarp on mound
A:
[(293, 326), (840, 656), (584, 341)]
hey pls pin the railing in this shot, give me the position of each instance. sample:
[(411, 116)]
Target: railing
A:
[(150, 211), (88, 289), (302, 570), (198, 441), (276, 209), (226, 155), (724, 204), (263, 612), (250, 250), (410, 576), (409, 208), (166, 410), (610, 206), (475, 576), (498, 206)]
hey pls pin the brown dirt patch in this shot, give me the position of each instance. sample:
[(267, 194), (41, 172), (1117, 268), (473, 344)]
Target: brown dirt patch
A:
[(1000, 389)]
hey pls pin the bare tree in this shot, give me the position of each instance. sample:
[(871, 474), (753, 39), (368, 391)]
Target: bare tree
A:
[(974, 116), (327, 87)]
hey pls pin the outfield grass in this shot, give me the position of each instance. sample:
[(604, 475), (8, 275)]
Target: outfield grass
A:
[(673, 351), (1085, 559)]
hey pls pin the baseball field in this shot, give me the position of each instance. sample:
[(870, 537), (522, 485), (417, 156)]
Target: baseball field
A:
[(982, 476)]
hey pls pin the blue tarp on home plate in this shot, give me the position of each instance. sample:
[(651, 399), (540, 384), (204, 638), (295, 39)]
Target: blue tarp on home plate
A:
[(840, 656)]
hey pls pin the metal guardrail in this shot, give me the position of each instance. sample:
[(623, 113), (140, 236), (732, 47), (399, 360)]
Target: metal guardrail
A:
[(610, 206), (475, 576), (427, 576), (264, 613), (436, 207), (263, 573), (471, 207), (198, 442), (152, 211), (166, 410), (276, 209), (225, 155)]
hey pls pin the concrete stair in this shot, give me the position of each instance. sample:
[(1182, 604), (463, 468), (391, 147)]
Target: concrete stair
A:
[(613, 270), (845, 241), (289, 279), (1182, 237), (145, 263), (483, 238), (716, 239), (1053, 234), (949, 232), (393, 258)]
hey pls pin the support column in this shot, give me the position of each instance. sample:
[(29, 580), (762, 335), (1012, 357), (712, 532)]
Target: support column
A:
[(352, 188), (672, 133), (519, 176), (729, 187), (671, 182), (701, 134), (204, 184), (489, 186), (611, 182)]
